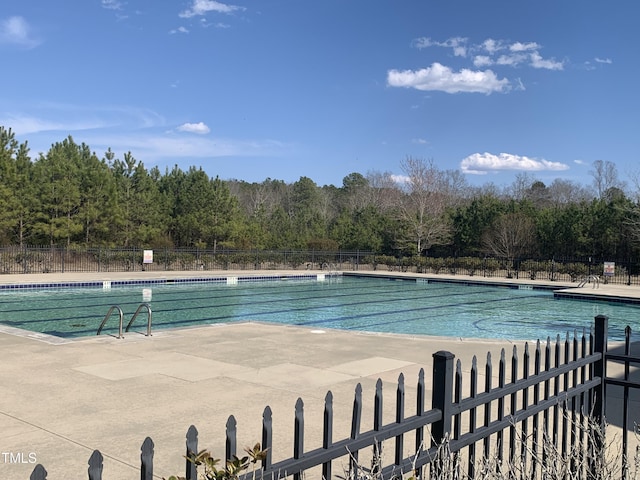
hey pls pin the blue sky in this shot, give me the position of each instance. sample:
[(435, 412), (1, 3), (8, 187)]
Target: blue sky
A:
[(289, 88)]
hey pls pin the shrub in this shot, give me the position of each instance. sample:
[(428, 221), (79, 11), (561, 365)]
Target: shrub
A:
[(231, 470), (531, 267), (469, 264), (491, 265), (388, 260), (575, 270)]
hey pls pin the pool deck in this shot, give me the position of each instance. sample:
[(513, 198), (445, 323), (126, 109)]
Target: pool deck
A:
[(61, 400)]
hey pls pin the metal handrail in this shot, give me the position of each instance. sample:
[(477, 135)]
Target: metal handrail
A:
[(106, 317), (331, 267), (587, 279), (148, 307)]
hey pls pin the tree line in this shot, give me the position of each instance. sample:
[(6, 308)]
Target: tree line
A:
[(69, 196)]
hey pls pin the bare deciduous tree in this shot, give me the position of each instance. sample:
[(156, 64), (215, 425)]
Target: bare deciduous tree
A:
[(511, 236), (563, 192), (521, 186), (605, 176), (428, 193), (383, 191)]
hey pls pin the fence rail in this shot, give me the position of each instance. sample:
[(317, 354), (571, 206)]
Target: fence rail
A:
[(553, 395)]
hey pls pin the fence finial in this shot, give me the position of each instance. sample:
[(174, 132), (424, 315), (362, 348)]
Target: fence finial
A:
[(95, 466), (146, 459), (39, 473), (267, 436), (192, 450), (298, 433), (377, 406), (231, 447)]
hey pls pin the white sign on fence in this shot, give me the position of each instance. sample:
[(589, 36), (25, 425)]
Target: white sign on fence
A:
[(609, 269)]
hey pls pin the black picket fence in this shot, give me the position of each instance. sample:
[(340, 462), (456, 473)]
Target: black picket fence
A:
[(41, 259), (553, 397)]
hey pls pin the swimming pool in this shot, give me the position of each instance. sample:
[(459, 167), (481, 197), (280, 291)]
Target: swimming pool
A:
[(405, 306)]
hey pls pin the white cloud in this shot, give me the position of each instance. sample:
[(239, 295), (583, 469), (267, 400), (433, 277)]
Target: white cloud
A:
[(603, 60), (482, 61), (485, 53), (441, 78), (199, 128), (135, 133), (419, 141), (23, 125), (538, 62), (458, 44), (491, 45), (512, 60), (15, 30), (402, 179), (154, 147), (126, 128), (523, 47), (483, 163), (112, 4), (423, 42), (202, 7), (179, 30), (67, 118)]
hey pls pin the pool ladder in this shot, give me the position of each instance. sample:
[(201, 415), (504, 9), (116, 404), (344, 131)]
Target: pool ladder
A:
[(121, 319), (331, 267), (588, 279)]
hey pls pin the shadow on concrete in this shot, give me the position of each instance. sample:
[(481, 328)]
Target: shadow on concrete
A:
[(616, 393)]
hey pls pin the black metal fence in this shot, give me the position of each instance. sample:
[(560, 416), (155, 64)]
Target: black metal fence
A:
[(553, 396), (45, 259), (77, 259), (614, 271)]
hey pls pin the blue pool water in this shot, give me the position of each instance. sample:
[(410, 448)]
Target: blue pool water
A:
[(347, 303)]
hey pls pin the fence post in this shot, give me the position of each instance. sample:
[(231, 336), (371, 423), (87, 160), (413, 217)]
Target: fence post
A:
[(442, 395), (598, 412), (600, 367), (298, 435), (327, 432)]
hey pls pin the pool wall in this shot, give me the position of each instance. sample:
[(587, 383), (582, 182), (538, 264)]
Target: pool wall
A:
[(165, 281)]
